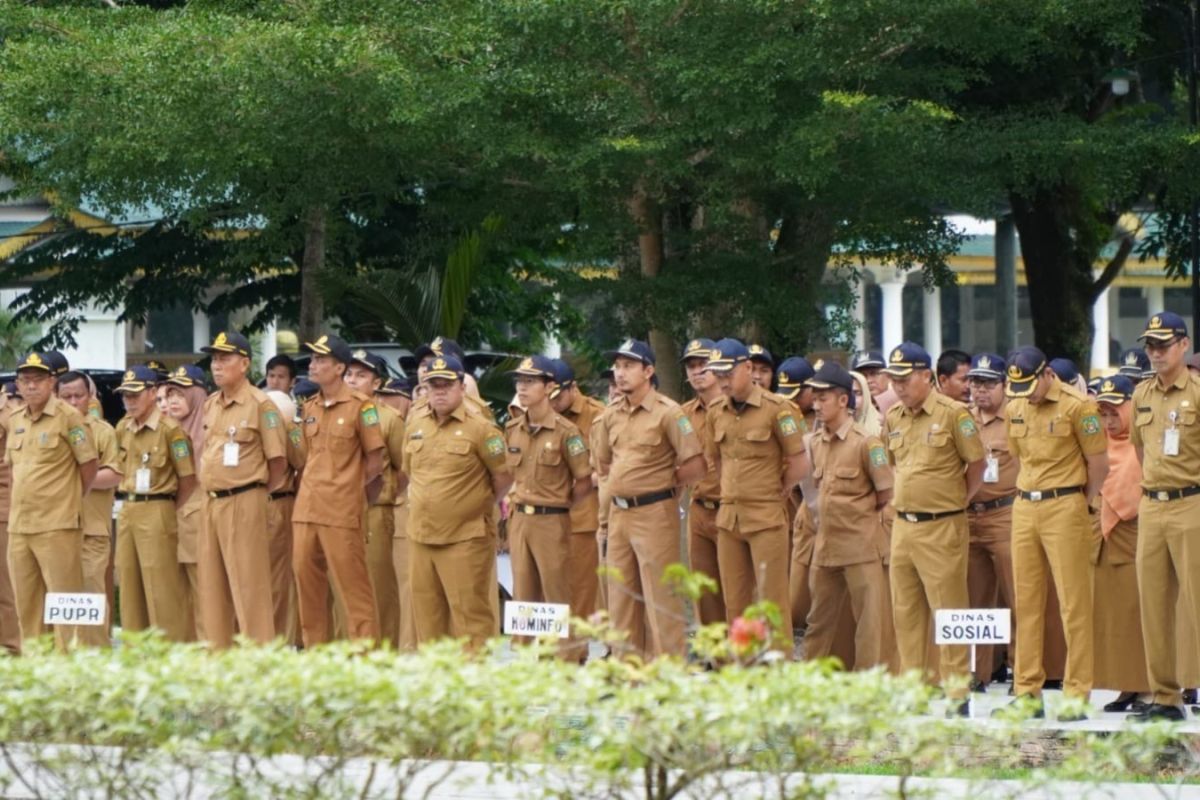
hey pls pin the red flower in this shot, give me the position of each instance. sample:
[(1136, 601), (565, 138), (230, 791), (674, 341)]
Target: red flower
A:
[(747, 633)]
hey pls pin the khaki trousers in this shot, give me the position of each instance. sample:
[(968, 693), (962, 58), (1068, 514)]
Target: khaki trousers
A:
[(381, 524), (454, 590), (864, 587), (540, 550), (40, 563), (642, 543), (928, 572), (10, 623), (188, 521), (754, 567), (1168, 568), (153, 584), (234, 566), (799, 594), (702, 557), (94, 560), (584, 581), (284, 614), (324, 555), (401, 568), (990, 574), (1053, 536)]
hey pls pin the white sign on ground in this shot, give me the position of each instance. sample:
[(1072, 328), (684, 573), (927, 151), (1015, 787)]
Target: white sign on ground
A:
[(74, 608), (972, 626), (537, 619)]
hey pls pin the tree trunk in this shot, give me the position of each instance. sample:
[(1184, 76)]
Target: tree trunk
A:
[(1058, 273), (312, 304), (647, 216)]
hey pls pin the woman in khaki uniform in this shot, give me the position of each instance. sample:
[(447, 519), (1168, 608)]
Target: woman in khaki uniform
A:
[(1120, 655), (186, 394)]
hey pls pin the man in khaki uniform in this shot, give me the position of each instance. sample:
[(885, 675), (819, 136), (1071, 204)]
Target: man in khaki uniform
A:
[(793, 373), (75, 390), (854, 482), (647, 450), (706, 493), (157, 477), (53, 463), (455, 463), (1055, 432), (281, 502), (342, 466), (757, 448), (245, 456), (584, 582), (10, 625), (762, 366), (1166, 433), (397, 395), (934, 446), (989, 517), (366, 375), (551, 472)]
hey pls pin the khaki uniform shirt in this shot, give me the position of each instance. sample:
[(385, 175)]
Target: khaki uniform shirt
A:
[(450, 465), (401, 498), (1154, 411), (161, 446), (930, 449), (708, 487), (639, 447), (249, 418), (45, 453), (296, 454), (98, 504), (5, 467), (752, 445), (339, 431), (1052, 437), (545, 457), (583, 413), (850, 468), (994, 435), (391, 428)]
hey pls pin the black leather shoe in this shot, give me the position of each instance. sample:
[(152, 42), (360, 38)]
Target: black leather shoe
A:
[(978, 686), (963, 709), (1158, 711), (1123, 703), (1074, 716), (1023, 707), (1052, 686), (1189, 697)]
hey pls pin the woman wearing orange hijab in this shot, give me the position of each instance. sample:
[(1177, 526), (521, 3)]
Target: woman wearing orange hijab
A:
[(1120, 653)]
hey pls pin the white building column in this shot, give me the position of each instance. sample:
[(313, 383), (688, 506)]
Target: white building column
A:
[(1100, 336), (1155, 300), (201, 331), (931, 305), (860, 314), (269, 345), (891, 284)]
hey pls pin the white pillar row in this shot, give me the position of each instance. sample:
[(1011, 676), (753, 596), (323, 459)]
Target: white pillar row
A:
[(891, 284), (1101, 335), (931, 305), (201, 331), (269, 343), (1155, 299)]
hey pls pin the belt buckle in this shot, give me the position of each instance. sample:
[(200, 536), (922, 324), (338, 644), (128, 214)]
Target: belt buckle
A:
[(1035, 496), (527, 509), (978, 507), (910, 517), (213, 495), (1163, 496), (621, 502)]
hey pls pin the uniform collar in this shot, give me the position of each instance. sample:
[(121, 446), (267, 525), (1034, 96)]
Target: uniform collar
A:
[(647, 402), (840, 433), (151, 421), (1055, 391), (341, 394), (48, 410), (1185, 375), (576, 407), (548, 421), (459, 414), (240, 395), (926, 407)]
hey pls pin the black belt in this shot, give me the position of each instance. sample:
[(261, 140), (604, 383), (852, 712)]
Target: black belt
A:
[(143, 498), (999, 502), (1049, 494), (643, 500), (280, 495), (528, 509), (1163, 495), (711, 505), (219, 493), (926, 516)]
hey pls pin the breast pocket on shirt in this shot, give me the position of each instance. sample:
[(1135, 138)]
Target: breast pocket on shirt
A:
[(757, 443), (549, 461), (342, 439), (847, 476), (457, 451), (413, 450)]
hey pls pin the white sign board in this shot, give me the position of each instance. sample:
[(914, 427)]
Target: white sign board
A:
[(537, 619), (71, 608), (972, 626)]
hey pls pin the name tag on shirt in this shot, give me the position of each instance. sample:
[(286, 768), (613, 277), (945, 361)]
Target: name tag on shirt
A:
[(231, 454), (141, 481), (1171, 442), (991, 473)]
